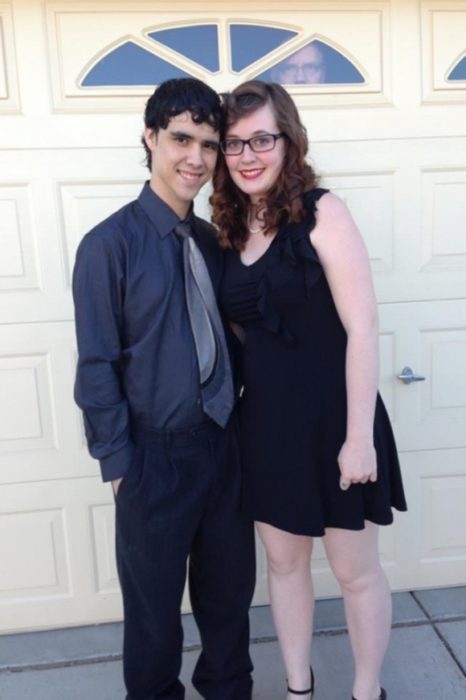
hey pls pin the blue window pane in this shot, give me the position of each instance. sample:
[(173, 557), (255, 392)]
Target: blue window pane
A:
[(129, 64), (312, 64), (199, 43), (249, 43), (459, 71)]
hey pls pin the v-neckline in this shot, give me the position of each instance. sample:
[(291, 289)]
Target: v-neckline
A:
[(261, 257)]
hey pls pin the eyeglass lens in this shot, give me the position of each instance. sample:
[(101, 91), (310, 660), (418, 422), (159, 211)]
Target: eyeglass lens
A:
[(258, 144)]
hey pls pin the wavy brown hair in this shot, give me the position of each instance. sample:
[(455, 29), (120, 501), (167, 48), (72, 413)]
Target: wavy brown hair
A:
[(283, 203)]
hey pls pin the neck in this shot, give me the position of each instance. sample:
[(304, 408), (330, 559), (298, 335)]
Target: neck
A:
[(180, 207), (255, 225)]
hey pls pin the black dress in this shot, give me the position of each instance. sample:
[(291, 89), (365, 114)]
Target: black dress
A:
[(293, 410)]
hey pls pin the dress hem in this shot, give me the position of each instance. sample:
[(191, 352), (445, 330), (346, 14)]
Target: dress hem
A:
[(300, 531)]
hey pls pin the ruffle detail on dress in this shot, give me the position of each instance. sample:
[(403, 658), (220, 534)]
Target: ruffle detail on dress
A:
[(270, 317), (292, 246), (295, 245)]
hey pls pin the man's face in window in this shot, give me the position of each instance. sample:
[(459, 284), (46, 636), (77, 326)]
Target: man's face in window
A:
[(306, 66)]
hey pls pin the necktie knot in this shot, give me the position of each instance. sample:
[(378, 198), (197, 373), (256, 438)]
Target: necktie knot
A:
[(183, 229)]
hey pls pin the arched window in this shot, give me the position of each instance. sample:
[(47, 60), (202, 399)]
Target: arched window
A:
[(459, 71), (249, 43), (198, 43), (132, 63)]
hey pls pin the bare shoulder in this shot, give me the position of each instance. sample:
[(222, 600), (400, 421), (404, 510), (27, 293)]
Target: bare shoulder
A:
[(333, 218), (332, 207)]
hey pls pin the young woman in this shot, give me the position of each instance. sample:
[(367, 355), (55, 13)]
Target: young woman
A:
[(319, 454)]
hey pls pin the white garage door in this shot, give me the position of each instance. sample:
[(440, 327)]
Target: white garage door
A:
[(382, 89)]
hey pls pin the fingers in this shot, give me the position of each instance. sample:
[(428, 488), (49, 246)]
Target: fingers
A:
[(345, 483)]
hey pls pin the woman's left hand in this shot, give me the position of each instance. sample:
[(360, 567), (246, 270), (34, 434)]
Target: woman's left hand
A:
[(358, 463)]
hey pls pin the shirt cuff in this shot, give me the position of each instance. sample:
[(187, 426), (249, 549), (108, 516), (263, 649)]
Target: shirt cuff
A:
[(117, 464)]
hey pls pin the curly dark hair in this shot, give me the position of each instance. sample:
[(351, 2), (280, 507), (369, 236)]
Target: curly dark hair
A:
[(179, 95), (283, 203)]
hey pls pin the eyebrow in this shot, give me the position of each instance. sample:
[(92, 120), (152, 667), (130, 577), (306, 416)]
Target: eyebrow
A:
[(258, 132), (181, 134), (184, 135)]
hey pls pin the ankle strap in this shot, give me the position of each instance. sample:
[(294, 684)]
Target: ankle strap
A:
[(382, 696), (299, 692), (303, 692)]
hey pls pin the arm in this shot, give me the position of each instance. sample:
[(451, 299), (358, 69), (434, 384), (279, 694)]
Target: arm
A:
[(345, 261), (98, 294)]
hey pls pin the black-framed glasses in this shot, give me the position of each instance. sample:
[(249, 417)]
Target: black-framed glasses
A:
[(258, 144)]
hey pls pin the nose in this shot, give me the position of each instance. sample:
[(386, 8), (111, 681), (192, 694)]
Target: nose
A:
[(195, 155), (300, 75), (248, 154)]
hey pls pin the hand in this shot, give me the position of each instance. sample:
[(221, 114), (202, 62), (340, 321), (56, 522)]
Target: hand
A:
[(358, 463), (116, 485)]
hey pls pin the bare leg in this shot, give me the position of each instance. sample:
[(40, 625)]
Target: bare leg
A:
[(292, 600), (354, 558)]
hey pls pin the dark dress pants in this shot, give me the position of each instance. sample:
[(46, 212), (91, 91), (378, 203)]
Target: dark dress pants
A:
[(180, 499)]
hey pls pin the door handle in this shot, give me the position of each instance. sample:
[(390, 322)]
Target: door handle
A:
[(407, 376)]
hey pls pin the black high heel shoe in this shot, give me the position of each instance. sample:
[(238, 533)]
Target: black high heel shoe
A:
[(382, 696), (304, 692)]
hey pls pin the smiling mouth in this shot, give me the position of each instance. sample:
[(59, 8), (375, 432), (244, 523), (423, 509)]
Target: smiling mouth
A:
[(190, 177), (251, 174)]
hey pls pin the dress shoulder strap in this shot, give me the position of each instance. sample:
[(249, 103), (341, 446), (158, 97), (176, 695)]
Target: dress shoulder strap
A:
[(313, 196)]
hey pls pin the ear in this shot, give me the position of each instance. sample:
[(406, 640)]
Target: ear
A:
[(150, 137)]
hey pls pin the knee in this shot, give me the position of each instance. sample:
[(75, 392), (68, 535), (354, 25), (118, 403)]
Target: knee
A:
[(355, 580), (288, 564)]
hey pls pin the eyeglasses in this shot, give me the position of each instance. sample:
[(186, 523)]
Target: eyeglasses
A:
[(258, 144)]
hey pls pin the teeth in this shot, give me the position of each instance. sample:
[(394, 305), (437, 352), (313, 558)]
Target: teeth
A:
[(250, 173), (190, 176)]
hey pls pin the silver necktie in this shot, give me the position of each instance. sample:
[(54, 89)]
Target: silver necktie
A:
[(209, 337)]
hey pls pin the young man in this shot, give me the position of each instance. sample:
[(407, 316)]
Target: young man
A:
[(157, 397)]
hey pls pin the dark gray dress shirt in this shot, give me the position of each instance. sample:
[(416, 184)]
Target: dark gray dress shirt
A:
[(137, 359)]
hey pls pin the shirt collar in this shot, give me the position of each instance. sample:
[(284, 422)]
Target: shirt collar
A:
[(161, 215)]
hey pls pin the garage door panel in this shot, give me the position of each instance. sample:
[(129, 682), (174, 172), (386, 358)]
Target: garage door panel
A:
[(443, 32), (442, 350), (41, 434), (443, 498), (26, 414), (430, 338), (22, 535), (18, 261), (31, 275), (444, 217), (436, 483), (9, 92), (69, 521)]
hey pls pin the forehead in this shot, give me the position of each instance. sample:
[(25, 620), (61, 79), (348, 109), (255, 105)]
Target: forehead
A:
[(308, 53), (262, 119), (184, 123)]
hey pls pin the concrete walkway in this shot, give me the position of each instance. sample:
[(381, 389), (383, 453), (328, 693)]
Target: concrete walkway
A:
[(426, 657)]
